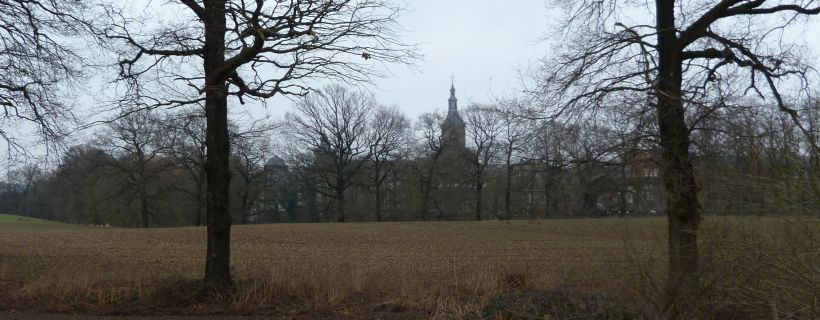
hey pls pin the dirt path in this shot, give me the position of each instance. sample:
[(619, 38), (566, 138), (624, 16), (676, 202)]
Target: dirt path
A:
[(50, 316), (11, 315)]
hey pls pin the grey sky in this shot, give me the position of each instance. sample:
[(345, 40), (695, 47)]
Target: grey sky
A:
[(475, 41), (482, 43)]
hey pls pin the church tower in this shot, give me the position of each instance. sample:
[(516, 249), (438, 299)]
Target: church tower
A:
[(452, 129)]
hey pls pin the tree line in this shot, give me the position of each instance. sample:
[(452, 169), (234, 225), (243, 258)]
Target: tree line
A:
[(341, 156)]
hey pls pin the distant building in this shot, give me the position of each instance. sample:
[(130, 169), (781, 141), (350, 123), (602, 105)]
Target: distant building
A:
[(454, 191), (453, 127), (635, 187)]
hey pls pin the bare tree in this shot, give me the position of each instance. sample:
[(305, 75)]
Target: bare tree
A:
[(426, 155), (249, 156), (246, 50), (79, 187), (516, 132), (333, 124), (134, 143), (483, 130), (681, 57), (185, 144), (26, 178), (36, 64), (389, 130), (548, 148)]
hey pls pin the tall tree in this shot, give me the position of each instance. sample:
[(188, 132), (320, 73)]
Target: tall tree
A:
[(218, 49), (681, 56), (427, 153), (134, 142), (185, 144), (78, 189), (483, 130), (27, 180), (333, 124), (389, 130), (249, 155), (516, 131)]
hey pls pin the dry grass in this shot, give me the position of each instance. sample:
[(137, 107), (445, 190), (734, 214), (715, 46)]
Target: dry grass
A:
[(442, 270)]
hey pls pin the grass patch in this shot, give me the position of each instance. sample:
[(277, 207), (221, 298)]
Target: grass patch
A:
[(11, 222), (10, 218)]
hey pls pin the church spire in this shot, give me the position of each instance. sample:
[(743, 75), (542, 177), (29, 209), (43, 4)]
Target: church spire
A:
[(452, 129), (453, 106)]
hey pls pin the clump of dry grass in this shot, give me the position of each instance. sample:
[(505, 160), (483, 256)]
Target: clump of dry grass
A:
[(344, 289), (771, 270), (751, 268)]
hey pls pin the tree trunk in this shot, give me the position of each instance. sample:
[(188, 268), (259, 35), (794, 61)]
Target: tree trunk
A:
[(378, 184), (426, 190), (683, 208), (378, 204), (243, 207), (547, 194), (478, 187), (143, 194), (425, 201), (622, 195), (312, 207), (340, 198), (217, 261), (507, 190), (200, 198), (24, 202)]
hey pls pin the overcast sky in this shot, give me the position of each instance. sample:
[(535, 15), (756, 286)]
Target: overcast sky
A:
[(483, 44)]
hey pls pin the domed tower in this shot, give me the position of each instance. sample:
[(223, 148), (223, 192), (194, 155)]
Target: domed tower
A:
[(452, 129)]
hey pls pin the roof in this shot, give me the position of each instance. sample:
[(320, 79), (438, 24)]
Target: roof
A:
[(276, 161)]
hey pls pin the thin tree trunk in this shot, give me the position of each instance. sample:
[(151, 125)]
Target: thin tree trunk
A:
[(547, 192), (143, 194), (217, 261), (378, 204), (478, 188), (200, 198), (340, 197), (378, 184), (683, 208), (547, 189), (425, 201), (244, 207), (340, 205), (427, 188), (507, 190), (24, 203)]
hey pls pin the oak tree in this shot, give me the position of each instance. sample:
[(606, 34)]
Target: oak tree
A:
[(216, 51), (680, 58)]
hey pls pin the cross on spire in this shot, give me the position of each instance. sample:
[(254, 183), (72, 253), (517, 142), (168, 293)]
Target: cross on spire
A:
[(452, 86)]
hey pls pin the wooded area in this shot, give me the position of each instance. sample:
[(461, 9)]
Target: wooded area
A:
[(146, 169)]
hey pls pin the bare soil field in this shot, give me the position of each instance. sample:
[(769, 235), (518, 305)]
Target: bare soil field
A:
[(401, 270)]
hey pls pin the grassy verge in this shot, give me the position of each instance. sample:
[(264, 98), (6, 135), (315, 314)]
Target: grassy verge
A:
[(9, 218), (11, 222)]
